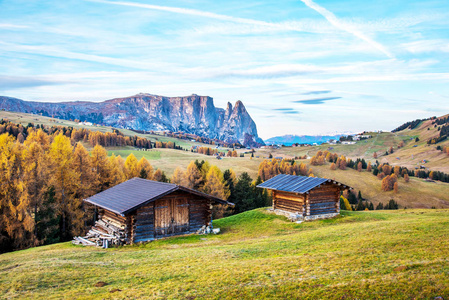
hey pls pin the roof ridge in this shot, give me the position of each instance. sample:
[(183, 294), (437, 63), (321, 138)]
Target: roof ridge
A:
[(166, 183), (296, 183)]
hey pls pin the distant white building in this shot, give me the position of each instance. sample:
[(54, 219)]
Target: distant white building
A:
[(364, 136), (348, 143), (85, 123)]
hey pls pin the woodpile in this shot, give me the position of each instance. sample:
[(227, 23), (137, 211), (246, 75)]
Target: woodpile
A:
[(106, 232)]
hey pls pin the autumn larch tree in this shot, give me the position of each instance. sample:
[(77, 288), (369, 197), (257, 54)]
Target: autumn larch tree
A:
[(65, 179), (131, 167), (193, 178), (145, 169), (178, 177), (100, 165)]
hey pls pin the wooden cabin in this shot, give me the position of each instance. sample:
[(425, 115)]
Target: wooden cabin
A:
[(305, 198), (141, 210)]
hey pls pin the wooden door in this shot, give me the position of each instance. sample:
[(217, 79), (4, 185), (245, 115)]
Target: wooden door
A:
[(162, 217), (171, 216), (180, 215)]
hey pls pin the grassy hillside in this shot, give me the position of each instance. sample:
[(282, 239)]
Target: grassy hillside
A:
[(24, 119), (414, 153), (360, 255), (417, 193)]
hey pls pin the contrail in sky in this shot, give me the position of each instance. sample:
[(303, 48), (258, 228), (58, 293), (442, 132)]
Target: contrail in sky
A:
[(329, 16), (194, 12)]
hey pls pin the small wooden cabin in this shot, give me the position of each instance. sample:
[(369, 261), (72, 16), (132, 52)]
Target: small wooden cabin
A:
[(307, 198), (140, 210)]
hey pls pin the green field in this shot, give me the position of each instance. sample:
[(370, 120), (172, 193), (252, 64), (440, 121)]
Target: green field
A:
[(360, 255)]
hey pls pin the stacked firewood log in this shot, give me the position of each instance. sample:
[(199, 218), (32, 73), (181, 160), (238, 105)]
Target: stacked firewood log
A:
[(106, 232)]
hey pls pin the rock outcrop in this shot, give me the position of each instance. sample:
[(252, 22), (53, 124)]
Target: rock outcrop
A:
[(192, 114)]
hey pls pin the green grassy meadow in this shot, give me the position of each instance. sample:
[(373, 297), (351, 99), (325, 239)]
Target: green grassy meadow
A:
[(360, 255)]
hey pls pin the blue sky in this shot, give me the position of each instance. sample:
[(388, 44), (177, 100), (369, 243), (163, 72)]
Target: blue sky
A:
[(300, 67)]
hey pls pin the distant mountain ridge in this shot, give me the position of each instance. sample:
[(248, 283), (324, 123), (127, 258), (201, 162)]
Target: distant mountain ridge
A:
[(289, 140), (191, 114)]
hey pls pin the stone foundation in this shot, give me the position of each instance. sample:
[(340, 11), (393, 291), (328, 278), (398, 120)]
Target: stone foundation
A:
[(316, 217), (294, 217), (299, 217)]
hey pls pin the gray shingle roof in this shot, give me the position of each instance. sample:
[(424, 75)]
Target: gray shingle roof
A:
[(136, 192), (295, 184)]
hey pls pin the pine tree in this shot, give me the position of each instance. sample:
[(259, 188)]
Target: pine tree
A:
[(261, 194), (352, 198), (230, 180), (360, 205), (244, 196), (47, 219)]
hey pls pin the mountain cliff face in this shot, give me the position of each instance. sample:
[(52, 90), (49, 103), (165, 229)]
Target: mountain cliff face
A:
[(192, 114)]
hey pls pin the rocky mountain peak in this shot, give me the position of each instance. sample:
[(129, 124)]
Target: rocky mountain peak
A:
[(190, 114)]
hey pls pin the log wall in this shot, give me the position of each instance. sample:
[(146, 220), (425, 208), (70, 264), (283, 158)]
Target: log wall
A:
[(177, 213), (288, 201), (324, 200), (143, 224)]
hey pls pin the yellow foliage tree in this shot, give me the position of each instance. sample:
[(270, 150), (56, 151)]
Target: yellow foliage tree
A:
[(145, 169), (65, 180), (347, 205), (131, 167), (100, 165), (193, 176), (116, 167), (178, 177), (214, 184), (15, 217)]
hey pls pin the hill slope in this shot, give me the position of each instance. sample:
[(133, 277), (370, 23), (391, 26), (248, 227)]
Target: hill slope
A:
[(192, 114), (363, 255)]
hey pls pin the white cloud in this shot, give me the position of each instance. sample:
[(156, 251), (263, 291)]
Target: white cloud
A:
[(12, 26), (62, 53), (426, 46)]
